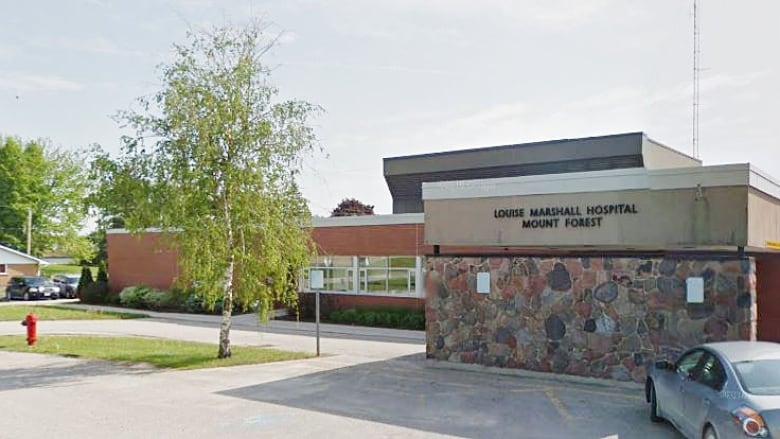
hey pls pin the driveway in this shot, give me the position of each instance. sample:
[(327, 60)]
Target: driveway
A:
[(362, 387)]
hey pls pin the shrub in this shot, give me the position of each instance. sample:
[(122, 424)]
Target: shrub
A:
[(400, 318), (193, 304), (112, 299), (134, 297), (157, 300), (84, 281), (102, 274), (351, 316), (95, 293)]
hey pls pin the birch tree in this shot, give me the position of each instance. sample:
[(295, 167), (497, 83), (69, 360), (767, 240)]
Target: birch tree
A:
[(213, 164)]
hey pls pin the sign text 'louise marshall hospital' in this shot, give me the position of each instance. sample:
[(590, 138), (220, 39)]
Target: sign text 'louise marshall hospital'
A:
[(569, 217)]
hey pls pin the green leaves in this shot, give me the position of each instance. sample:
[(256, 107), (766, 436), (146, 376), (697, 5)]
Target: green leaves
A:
[(51, 183), (213, 162)]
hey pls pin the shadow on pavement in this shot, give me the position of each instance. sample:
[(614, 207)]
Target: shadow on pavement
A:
[(403, 392), (59, 375)]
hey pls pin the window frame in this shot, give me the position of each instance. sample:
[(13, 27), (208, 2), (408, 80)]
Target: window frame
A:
[(689, 373), (3, 269), (383, 273), (718, 366)]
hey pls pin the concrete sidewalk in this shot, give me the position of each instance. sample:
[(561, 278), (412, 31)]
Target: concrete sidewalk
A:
[(209, 334), (250, 322)]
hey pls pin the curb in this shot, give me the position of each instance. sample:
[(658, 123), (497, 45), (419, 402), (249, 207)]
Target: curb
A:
[(522, 373)]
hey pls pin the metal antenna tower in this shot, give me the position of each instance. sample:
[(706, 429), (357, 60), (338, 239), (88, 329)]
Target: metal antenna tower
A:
[(696, 72)]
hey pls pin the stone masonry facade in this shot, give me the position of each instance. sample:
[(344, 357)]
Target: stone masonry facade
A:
[(598, 317)]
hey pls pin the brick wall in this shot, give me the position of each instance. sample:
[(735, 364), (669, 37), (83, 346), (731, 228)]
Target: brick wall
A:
[(600, 317), (17, 270), (143, 259), (391, 240)]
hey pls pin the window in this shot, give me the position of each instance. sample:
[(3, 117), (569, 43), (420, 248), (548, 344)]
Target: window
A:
[(336, 270), (759, 377), (711, 373), (688, 362), (388, 274), (3, 269), (375, 275)]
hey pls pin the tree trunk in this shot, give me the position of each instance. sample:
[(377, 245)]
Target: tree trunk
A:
[(227, 311), (227, 286)]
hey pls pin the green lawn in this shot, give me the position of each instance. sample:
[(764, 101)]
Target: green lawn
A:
[(50, 270), (162, 353), (51, 312)]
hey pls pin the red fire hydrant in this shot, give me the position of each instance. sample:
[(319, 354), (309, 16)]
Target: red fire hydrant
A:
[(31, 322)]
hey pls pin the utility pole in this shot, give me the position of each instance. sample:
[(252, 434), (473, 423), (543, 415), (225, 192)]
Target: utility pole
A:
[(29, 231), (696, 73)]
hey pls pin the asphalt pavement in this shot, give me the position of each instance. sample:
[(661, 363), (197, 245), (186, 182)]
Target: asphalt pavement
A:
[(360, 388)]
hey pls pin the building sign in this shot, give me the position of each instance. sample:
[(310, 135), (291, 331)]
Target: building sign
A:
[(570, 217)]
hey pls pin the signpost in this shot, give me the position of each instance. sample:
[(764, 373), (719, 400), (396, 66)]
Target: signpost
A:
[(316, 283)]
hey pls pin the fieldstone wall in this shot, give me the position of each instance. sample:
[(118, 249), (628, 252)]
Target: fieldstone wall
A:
[(598, 317)]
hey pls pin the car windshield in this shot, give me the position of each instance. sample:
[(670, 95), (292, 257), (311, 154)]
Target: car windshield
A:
[(72, 279), (35, 281), (759, 377)]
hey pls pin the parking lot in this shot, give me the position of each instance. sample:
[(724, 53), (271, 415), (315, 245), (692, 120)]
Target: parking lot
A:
[(337, 396), (405, 392)]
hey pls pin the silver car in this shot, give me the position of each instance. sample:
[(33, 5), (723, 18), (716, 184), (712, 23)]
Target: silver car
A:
[(719, 390)]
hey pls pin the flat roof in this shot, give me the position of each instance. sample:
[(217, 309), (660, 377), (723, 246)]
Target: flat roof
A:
[(335, 221), (406, 174), (743, 174), (369, 220), (541, 151)]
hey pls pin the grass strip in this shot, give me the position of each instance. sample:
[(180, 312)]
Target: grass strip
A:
[(163, 353)]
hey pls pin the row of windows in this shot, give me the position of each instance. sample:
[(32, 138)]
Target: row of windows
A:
[(376, 275), (365, 261)]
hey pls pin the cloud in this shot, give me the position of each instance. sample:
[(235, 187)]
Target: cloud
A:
[(90, 44), (287, 37), (31, 82), (391, 20), (7, 52), (381, 67), (623, 108)]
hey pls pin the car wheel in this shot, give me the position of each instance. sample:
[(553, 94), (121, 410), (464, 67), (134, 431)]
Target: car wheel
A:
[(709, 433), (654, 416), (26, 296)]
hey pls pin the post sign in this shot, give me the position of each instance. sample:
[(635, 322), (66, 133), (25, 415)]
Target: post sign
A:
[(316, 283), (316, 279), (483, 283), (694, 289)]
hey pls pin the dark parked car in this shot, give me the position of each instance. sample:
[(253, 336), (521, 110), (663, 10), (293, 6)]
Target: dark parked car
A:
[(719, 390), (31, 287), (68, 284)]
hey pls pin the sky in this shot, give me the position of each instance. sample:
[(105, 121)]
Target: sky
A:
[(399, 77)]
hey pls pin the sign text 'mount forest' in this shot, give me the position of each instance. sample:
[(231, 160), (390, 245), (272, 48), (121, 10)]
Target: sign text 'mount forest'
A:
[(567, 216)]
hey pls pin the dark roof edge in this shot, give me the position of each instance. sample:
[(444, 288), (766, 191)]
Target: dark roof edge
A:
[(514, 145)]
